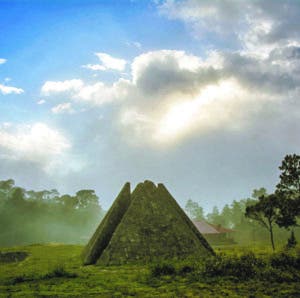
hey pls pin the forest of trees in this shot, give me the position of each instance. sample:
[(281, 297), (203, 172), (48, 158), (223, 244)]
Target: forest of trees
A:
[(262, 218), (28, 216)]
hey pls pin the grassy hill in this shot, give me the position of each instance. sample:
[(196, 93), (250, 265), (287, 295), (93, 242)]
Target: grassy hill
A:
[(55, 270)]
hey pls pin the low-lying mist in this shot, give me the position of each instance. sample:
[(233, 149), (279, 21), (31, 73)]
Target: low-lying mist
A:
[(46, 216)]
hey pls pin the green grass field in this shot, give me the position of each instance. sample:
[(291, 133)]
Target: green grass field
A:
[(55, 270)]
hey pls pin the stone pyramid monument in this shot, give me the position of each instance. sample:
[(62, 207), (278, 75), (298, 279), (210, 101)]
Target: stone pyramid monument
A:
[(143, 226)]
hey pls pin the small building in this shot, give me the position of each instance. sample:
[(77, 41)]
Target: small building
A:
[(214, 234)]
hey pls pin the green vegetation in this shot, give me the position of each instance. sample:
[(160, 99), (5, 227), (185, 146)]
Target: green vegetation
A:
[(45, 216), (57, 271), (265, 212), (288, 192), (282, 207), (168, 256), (268, 216)]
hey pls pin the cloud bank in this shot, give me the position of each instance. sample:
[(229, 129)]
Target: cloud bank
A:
[(172, 94), (37, 143)]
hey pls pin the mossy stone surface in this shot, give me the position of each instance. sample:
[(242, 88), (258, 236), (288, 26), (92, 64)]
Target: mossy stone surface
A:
[(163, 192), (107, 227), (153, 228)]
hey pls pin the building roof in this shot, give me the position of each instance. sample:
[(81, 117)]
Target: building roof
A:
[(207, 228)]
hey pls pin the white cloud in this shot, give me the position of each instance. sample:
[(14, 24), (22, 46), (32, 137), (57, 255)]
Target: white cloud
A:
[(110, 62), (52, 87), (98, 93), (257, 26), (107, 63), (206, 16), (63, 108), (2, 60), (178, 60), (217, 105), (10, 90), (36, 142), (172, 95), (176, 95), (41, 102), (94, 67)]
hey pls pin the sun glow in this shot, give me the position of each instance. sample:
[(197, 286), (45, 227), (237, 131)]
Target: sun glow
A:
[(195, 112)]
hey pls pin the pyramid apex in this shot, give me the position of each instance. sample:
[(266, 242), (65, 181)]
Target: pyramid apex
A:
[(149, 183), (126, 185)]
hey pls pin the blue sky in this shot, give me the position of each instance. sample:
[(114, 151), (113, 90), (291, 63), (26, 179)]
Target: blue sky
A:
[(50, 40), (200, 95)]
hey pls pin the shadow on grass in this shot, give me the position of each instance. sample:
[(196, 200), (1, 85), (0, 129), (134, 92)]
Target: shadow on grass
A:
[(57, 272), (15, 256)]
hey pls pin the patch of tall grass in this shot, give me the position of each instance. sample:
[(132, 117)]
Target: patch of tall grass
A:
[(277, 267)]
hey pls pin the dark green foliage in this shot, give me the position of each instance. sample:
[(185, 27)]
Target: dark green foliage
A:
[(18, 279), (281, 267), (59, 271), (291, 241), (158, 270), (288, 190), (265, 212), (243, 267), (186, 269), (290, 176), (285, 261), (288, 211), (153, 228), (161, 269), (45, 216), (108, 225), (10, 257)]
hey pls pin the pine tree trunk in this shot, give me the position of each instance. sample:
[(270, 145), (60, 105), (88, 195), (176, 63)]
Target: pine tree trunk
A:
[(272, 237)]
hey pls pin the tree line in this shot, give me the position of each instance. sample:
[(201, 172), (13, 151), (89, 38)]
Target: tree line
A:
[(262, 215), (28, 216)]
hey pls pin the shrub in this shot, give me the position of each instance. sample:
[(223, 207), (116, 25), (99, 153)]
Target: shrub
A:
[(18, 279), (162, 269), (59, 271), (242, 268), (285, 261), (292, 242), (15, 256), (277, 275), (185, 270)]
